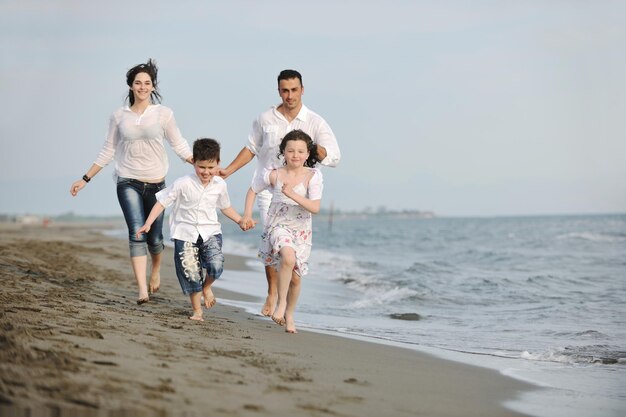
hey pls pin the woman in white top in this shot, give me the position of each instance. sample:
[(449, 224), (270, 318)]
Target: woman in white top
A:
[(135, 142)]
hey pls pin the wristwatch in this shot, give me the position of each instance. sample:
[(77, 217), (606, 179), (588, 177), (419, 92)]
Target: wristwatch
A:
[(86, 178)]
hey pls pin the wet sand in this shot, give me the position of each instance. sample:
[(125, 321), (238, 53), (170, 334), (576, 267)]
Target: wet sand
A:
[(74, 342)]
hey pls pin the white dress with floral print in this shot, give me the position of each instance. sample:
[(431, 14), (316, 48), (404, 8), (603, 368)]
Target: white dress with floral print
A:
[(289, 224)]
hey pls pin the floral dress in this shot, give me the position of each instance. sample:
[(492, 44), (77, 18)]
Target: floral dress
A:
[(289, 224)]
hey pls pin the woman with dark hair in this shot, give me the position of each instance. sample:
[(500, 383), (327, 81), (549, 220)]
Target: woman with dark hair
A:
[(135, 142)]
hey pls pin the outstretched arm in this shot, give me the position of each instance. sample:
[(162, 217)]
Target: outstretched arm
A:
[(232, 214), (244, 156), (247, 212), (156, 211), (80, 184)]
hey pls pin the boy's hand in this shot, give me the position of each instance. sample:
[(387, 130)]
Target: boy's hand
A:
[(246, 223), (143, 229)]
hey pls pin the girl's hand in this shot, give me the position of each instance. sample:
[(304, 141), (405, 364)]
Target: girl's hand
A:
[(246, 223), (287, 189)]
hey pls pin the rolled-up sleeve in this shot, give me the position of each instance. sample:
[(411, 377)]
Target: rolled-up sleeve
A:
[(110, 143), (326, 138), (179, 144), (167, 196), (255, 138)]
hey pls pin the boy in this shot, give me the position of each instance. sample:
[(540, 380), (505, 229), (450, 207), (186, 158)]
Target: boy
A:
[(194, 226)]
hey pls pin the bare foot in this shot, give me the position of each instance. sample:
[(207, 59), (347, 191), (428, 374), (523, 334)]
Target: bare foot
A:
[(279, 320), (290, 325), (155, 283), (143, 297), (269, 306), (197, 316), (209, 298)]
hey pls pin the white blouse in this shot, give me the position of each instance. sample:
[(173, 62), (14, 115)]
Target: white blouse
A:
[(136, 143), (312, 191), (271, 126)]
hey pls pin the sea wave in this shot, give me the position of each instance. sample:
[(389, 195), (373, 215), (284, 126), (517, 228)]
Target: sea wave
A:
[(594, 237), (592, 354)]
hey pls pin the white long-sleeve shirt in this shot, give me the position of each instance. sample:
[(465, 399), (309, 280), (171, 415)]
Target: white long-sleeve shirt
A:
[(194, 210), (136, 142), (271, 126)]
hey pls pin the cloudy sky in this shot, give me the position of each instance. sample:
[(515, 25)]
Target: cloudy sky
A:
[(475, 108)]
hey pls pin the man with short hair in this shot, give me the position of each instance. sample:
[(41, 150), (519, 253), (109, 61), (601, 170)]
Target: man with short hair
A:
[(267, 131)]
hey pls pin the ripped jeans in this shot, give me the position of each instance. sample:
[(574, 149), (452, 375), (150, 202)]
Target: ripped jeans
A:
[(191, 258)]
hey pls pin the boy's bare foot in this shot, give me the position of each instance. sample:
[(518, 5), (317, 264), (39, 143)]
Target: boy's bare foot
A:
[(155, 283), (209, 302), (143, 300), (269, 306), (196, 316), (209, 298)]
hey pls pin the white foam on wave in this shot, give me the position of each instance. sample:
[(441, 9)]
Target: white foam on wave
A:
[(382, 297), (559, 355), (236, 247), (593, 237)]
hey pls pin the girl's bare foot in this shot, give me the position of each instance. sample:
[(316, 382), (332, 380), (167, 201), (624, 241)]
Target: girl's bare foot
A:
[(197, 316), (269, 306), (279, 314), (155, 283)]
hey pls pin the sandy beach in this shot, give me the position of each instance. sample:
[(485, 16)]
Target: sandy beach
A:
[(74, 342)]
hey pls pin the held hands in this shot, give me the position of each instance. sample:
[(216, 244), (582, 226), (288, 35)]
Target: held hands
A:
[(246, 223)]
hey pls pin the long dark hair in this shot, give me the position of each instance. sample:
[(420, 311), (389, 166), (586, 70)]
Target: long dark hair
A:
[(149, 68), (297, 134)]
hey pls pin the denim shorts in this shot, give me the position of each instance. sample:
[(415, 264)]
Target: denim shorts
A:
[(136, 199), (192, 258)]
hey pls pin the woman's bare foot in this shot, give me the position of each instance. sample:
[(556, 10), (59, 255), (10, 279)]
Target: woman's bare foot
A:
[(155, 283), (209, 298), (197, 316), (290, 325), (143, 297), (269, 306)]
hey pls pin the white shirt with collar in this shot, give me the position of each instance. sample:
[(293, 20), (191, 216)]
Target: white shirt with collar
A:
[(271, 126), (137, 142), (194, 207)]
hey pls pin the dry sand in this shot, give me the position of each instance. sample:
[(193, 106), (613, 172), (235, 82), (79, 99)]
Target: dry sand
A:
[(74, 342)]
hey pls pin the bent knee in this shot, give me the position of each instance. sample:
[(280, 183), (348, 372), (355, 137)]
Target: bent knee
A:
[(288, 256)]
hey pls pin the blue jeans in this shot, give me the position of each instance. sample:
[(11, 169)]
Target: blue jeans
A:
[(136, 200), (191, 258)]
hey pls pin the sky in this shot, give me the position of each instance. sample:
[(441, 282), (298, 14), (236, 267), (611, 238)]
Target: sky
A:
[(481, 108)]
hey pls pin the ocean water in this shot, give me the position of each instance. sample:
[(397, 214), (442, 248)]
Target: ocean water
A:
[(538, 298)]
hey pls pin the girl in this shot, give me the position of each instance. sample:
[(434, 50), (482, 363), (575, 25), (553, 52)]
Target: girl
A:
[(136, 142), (286, 240)]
